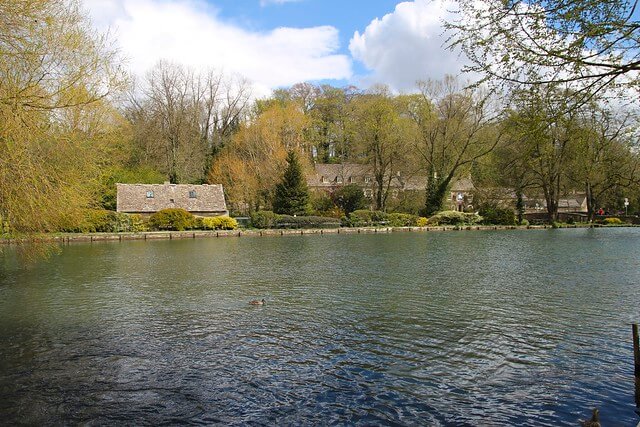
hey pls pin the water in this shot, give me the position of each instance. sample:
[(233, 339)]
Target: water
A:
[(457, 328)]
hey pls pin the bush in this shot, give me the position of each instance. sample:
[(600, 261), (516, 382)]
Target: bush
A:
[(612, 221), (524, 222), (350, 198), (172, 219), (105, 221), (455, 218), (288, 221), (363, 218), (401, 220), (422, 222), (263, 219), (321, 202), (497, 216), (219, 223)]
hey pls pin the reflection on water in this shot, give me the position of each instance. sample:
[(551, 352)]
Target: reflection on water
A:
[(521, 327)]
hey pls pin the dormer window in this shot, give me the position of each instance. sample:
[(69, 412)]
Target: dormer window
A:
[(192, 194), (367, 179), (323, 179), (339, 179), (351, 180), (149, 194)]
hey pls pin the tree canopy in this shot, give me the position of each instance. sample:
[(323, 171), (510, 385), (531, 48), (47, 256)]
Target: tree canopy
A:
[(590, 44)]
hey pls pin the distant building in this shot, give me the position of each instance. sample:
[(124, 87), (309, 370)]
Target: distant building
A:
[(146, 199), (329, 177)]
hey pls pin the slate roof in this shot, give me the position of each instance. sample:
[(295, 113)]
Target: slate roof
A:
[(209, 199)]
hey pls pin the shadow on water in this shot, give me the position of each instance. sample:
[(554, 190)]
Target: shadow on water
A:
[(504, 328)]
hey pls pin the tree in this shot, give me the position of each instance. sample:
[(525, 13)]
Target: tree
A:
[(292, 196), (544, 128), (56, 76), (183, 119), (381, 140), (455, 128), (603, 160), (591, 44), (249, 166)]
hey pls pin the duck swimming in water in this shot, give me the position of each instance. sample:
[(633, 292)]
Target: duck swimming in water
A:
[(257, 302), (594, 421)]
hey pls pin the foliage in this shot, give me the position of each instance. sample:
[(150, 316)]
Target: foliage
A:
[(401, 220), (350, 198), (219, 223), (612, 221), (267, 219), (172, 219), (288, 221), (105, 221), (291, 195), (524, 222), (251, 164), (492, 214), (422, 222), (365, 218), (455, 218), (264, 219), (55, 72), (592, 44), (322, 202)]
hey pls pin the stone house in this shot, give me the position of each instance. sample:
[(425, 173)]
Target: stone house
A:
[(146, 199)]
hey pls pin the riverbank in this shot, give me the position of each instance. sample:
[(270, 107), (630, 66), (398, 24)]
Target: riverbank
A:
[(67, 238)]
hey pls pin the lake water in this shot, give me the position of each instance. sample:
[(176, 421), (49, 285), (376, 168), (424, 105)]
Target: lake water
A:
[(457, 328)]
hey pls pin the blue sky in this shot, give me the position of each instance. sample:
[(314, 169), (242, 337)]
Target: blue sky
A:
[(276, 43)]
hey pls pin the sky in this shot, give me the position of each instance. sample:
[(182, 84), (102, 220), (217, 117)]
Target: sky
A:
[(277, 43)]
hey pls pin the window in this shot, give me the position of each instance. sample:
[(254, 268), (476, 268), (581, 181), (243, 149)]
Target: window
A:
[(192, 194), (351, 180), (149, 194), (367, 179), (339, 179), (323, 179)]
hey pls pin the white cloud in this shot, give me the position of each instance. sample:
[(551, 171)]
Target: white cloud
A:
[(191, 33), (407, 45)]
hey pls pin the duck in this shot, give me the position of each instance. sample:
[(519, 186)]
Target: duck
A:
[(257, 302), (594, 421)]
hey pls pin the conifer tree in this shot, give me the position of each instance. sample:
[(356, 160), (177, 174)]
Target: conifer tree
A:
[(292, 195)]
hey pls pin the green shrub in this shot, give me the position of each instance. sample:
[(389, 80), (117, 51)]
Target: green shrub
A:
[(497, 216), (172, 219), (263, 219), (288, 221), (422, 222), (350, 198), (363, 218), (612, 221), (321, 203), (455, 218), (524, 222), (401, 220), (219, 223)]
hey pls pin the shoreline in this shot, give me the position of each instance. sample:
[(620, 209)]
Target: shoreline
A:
[(68, 238)]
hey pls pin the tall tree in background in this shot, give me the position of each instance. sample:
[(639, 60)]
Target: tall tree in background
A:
[(381, 138), (250, 165), (292, 195), (55, 77), (455, 128), (591, 44), (183, 119)]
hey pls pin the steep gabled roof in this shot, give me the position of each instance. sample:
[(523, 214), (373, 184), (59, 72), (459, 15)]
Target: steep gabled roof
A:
[(133, 198)]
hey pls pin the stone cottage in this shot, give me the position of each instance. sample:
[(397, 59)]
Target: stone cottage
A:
[(146, 199)]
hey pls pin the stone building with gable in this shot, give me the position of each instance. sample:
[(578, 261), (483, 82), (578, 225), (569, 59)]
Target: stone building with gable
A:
[(146, 199)]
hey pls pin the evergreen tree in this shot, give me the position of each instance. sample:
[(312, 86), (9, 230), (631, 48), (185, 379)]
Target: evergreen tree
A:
[(292, 196)]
